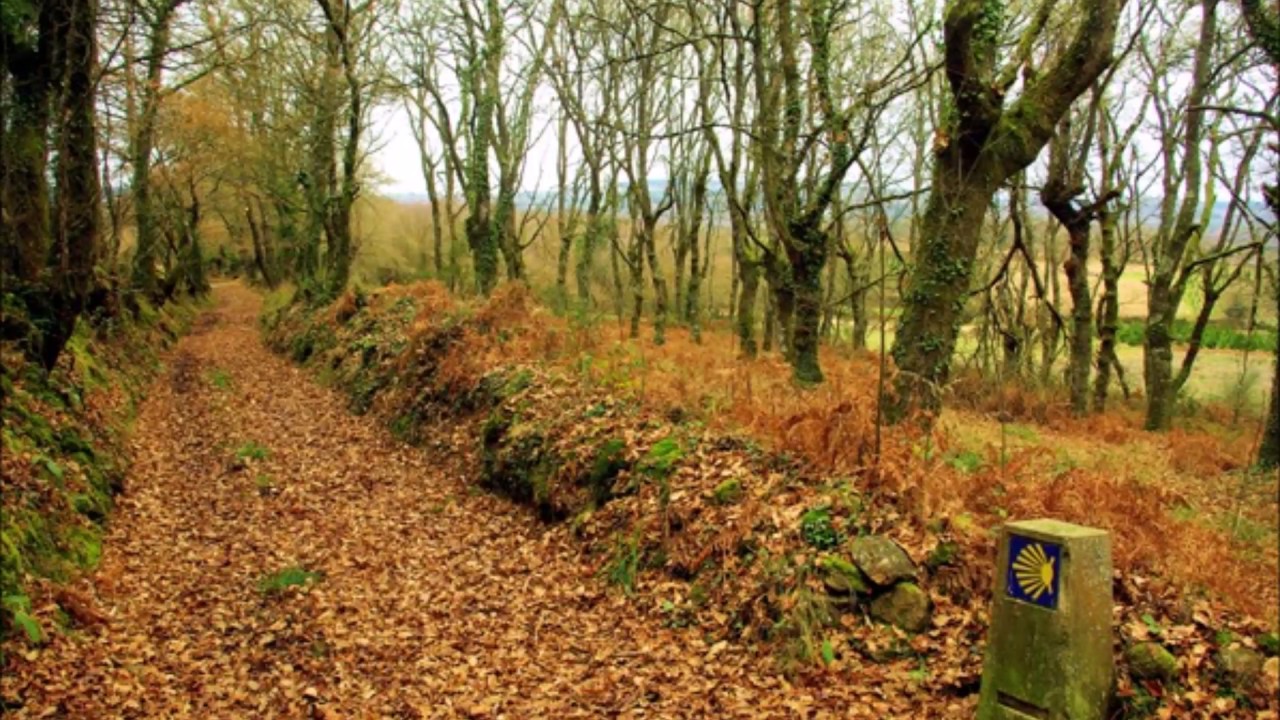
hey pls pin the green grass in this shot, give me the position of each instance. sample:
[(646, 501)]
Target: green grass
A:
[(252, 451), (295, 576), (624, 563), (966, 461), (265, 483), (1214, 377), (19, 607), (220, 379), (1216, 336)]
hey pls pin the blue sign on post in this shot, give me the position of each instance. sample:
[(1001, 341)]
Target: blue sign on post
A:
[(1034, 570)]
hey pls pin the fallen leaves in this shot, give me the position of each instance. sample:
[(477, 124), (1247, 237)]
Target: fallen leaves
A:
[(435, 600), (478, 609)]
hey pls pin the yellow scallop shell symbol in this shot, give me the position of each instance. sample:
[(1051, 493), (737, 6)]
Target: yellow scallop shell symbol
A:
[(1034, 571)]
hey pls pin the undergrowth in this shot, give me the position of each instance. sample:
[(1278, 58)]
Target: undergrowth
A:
[(684, 461)]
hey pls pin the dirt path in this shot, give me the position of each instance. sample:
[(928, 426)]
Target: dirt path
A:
[(435, 601)]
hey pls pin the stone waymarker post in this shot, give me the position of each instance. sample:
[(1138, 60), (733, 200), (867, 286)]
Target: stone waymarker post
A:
[(1049, 647)]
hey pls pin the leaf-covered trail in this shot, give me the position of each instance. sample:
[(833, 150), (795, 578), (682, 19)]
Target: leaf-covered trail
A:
[(434, 602)]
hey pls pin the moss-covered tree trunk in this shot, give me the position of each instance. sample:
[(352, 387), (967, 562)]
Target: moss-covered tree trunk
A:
[(661, 295), (807, 254), (981, 144), (1058, 195), (1269, 449), (1167, 282), (142, 146), (745, 321), (260, 259), (938, 288), (479, 80), (24, 148), (635, 277), (1264, 26), (1108, 310), (566, 215), (78, 190)]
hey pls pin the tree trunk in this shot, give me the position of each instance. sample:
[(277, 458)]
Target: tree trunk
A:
[(509, 243), (147, 246), (858, 290), (661, 301), (770, 332), (982, 144), (437, 227), (24, 234), (480, 229), (749, 284), (784, 313), (79, 192), (934, 303), (808, 256), (259, 251), (1264, 25), (635, 268), (1057, 197), (1165, 292), (564, 227), (692, 308), (1269, 450), (1108, 312)]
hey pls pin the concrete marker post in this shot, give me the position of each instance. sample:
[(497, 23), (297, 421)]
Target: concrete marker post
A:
[(1049, 647)]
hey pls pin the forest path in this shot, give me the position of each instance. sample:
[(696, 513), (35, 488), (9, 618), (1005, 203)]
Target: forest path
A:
[(434, 601)]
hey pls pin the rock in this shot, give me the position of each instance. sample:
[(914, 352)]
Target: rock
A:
[(906, 606), (881, 560), (1240, 666), (842, 577), (1150, 661)]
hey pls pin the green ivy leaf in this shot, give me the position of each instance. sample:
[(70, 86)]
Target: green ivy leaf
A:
[(29, 625)]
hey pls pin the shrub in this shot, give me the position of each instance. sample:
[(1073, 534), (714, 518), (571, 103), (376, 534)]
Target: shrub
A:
[(816, 528)]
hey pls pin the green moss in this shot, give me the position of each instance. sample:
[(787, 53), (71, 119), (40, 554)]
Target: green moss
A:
[(84, 546), (624, 562), (966, 461), (944, 554), (252, 451), (220, 379), (403, 425), (662, 457), (727, 492), (842, 577), (18, 610), (516, 383)]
